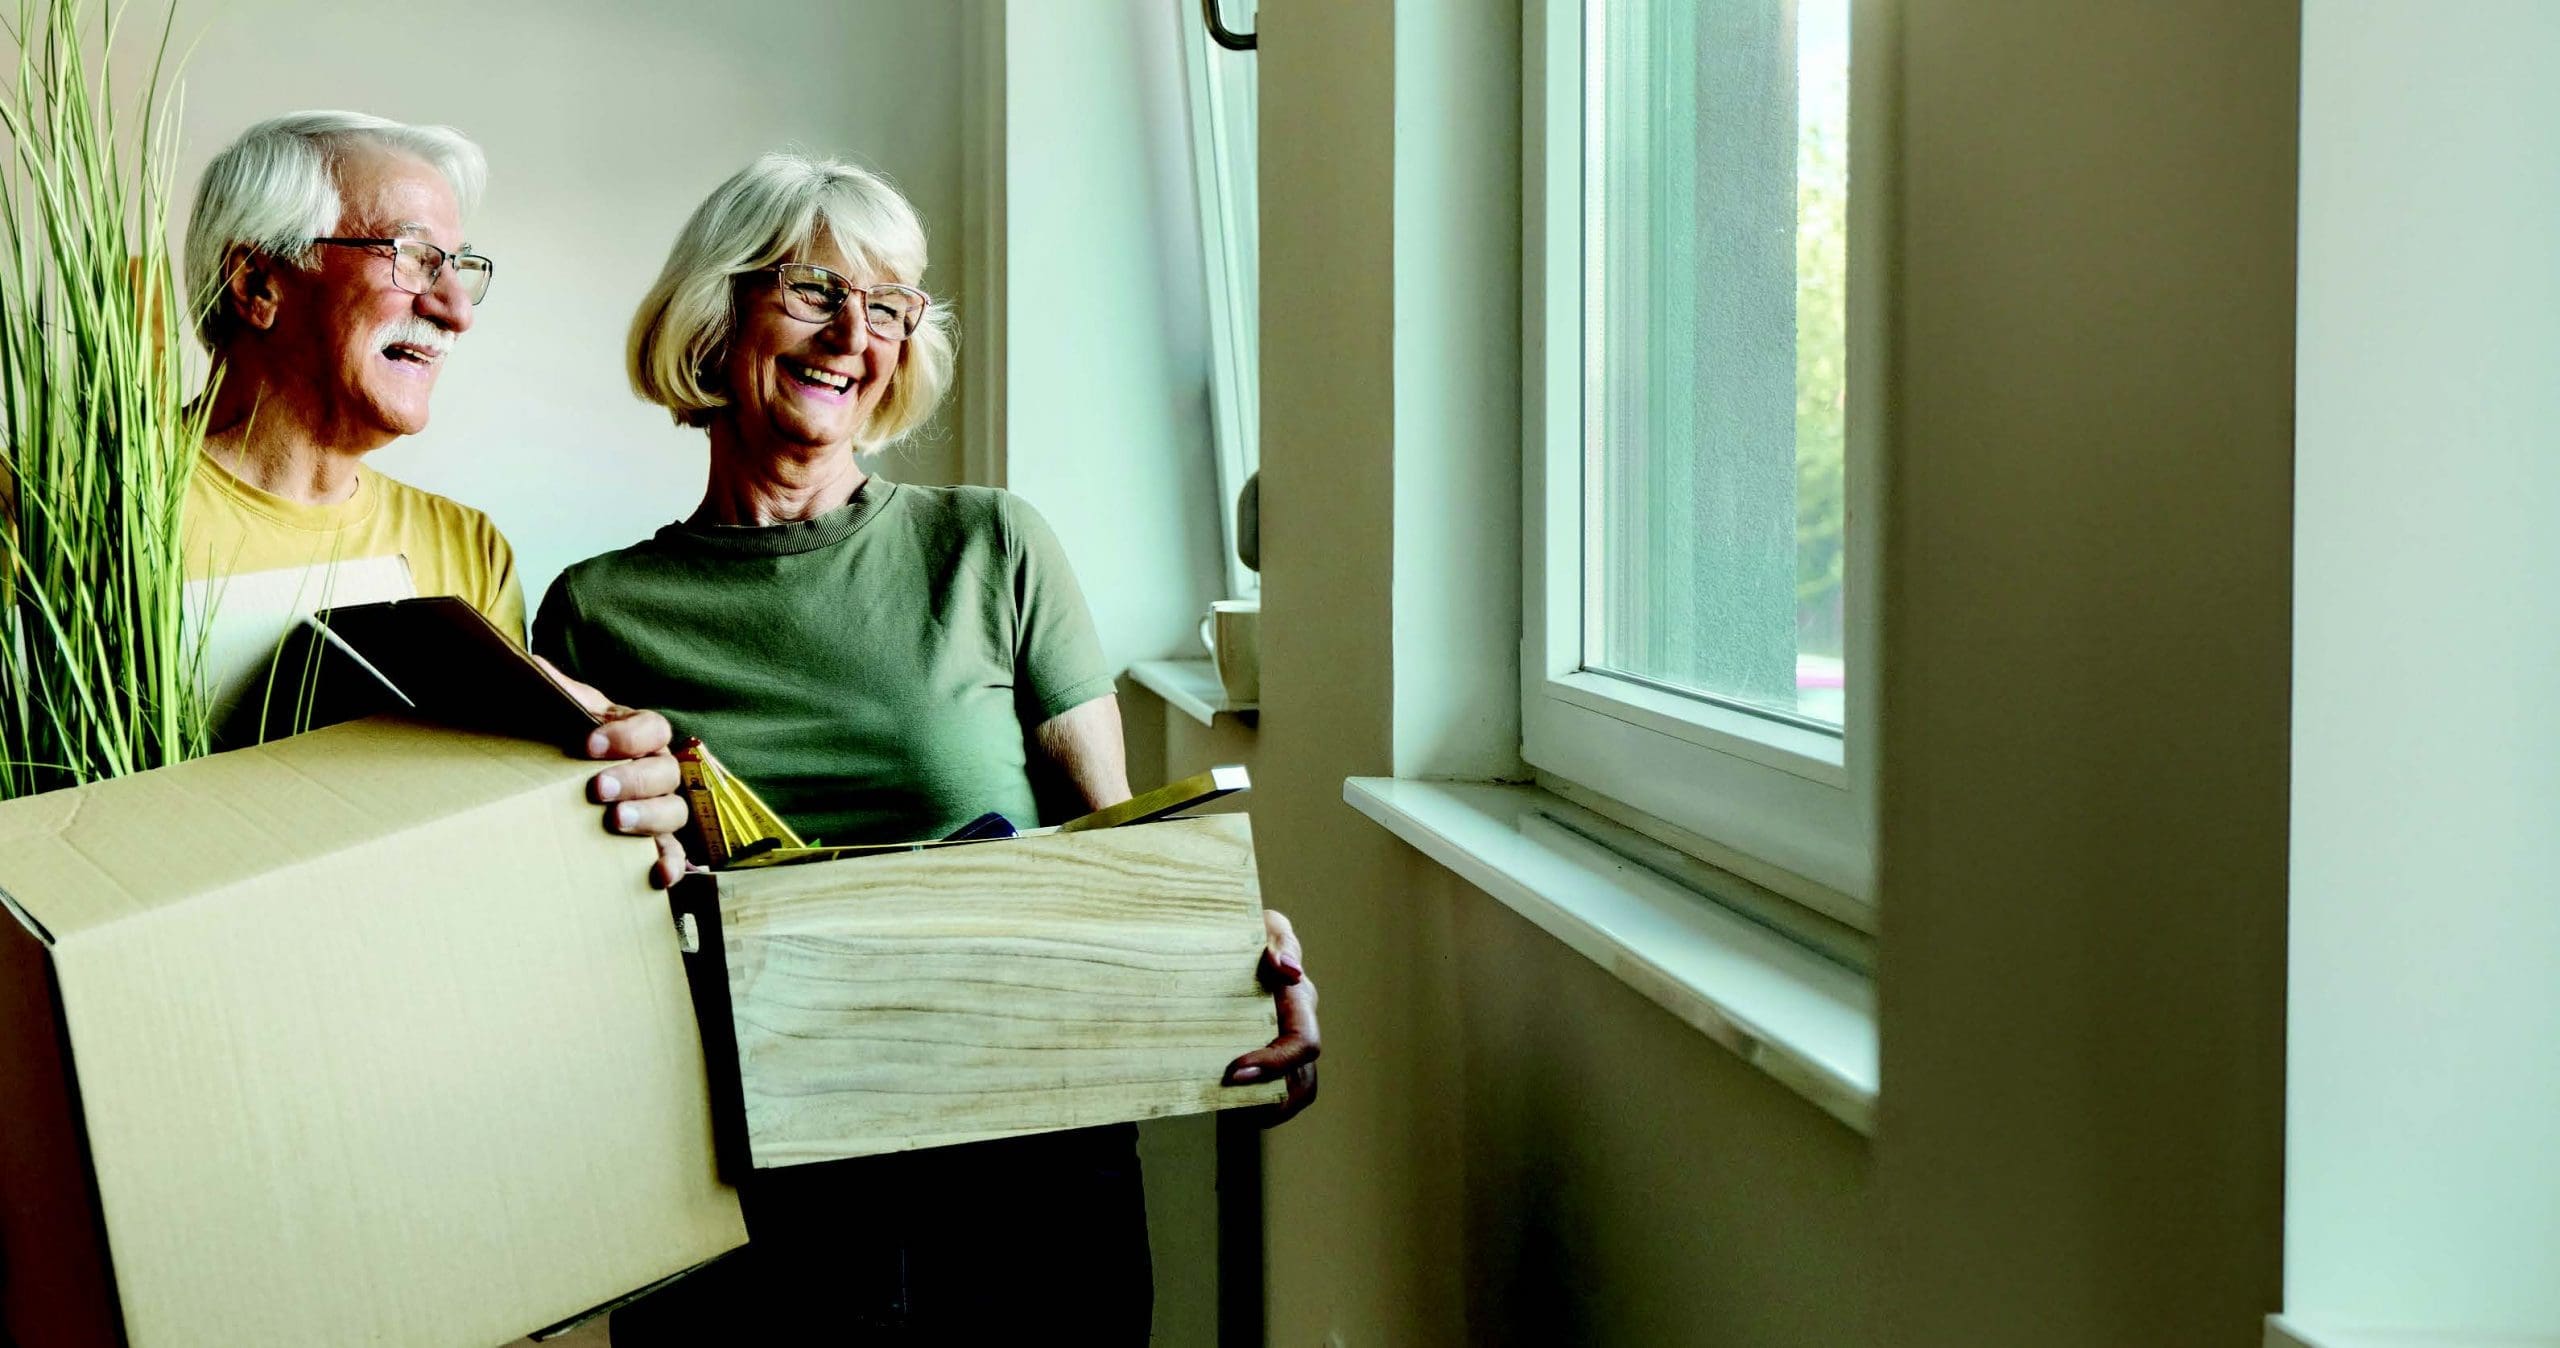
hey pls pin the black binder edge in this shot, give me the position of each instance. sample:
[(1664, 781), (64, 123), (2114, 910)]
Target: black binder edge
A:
[(706, 969)]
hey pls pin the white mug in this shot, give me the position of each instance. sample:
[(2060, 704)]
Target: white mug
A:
[(1233, 634)]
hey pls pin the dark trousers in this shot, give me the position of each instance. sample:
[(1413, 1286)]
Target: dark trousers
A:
[(1021, 1241)]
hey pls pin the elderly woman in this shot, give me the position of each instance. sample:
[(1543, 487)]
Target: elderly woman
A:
[(883, 662)]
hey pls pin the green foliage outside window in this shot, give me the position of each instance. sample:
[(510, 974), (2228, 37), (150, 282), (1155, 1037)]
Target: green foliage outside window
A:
[(1822, 228)]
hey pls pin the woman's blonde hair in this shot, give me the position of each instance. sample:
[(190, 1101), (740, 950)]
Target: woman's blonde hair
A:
[(757, 218)]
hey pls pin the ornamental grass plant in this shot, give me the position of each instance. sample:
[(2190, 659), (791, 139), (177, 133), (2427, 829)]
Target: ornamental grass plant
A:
[(100, 667)]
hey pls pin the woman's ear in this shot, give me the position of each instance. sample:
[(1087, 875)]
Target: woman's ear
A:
[(711, 353), (249, 289)]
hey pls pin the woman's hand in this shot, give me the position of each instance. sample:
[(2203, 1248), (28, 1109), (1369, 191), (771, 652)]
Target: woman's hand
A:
[(639, 791), (1083, 744), (1293, 1054)]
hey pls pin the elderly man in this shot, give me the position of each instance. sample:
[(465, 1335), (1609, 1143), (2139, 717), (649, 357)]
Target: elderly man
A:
[(332, 277)]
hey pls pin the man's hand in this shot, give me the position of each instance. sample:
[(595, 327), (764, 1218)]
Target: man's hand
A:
[(1294, 1053), (639, 791)]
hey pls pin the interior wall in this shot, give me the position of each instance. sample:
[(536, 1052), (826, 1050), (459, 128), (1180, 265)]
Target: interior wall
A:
[(2085, 748), (605, 122), (2423, 1190), (1361, 1192), (1106, 423), (2086, 684), (1630, 1181), (1511, 1145)]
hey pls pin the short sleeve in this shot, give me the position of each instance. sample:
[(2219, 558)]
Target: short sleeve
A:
[(1058, 661), (494, 587), (505, 610)]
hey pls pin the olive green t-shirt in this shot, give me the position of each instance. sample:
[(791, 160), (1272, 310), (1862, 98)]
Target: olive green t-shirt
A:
[(873, 673)]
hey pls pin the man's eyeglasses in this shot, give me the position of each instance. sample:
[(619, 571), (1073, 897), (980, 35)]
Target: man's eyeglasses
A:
[(416, 263), (814, 294)]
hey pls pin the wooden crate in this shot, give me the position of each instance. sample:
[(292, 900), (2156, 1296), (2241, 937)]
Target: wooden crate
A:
[(919, 999)]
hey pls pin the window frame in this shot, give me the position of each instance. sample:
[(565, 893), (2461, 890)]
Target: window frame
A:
[(1227, 209), (1792, 808)]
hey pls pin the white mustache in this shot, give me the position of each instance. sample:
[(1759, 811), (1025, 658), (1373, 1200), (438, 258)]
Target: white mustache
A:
[(411, 330)]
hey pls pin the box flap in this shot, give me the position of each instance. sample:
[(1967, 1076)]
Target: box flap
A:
[(76, 861), (50, 1235)]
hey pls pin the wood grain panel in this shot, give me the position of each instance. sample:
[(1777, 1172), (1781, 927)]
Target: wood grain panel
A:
[(923, 998)]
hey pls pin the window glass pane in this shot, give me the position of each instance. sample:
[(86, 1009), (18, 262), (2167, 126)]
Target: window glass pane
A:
[(1223, 97), (1716, 256), (1233, 78)]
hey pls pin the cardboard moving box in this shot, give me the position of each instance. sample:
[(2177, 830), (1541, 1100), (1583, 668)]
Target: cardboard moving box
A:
[(950, 994), (372, 1035)]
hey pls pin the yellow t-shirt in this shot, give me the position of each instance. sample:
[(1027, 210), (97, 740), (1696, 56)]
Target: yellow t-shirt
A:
[(232, 528)]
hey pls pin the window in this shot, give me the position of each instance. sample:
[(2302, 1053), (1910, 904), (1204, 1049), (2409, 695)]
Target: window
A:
[(1223, 172), (1700, 426)]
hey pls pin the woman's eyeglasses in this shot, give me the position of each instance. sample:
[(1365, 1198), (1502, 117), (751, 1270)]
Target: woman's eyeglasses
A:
[(814, 294)]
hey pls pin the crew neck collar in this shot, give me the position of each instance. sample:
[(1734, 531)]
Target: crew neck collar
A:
[(786, 539), (320, 518)]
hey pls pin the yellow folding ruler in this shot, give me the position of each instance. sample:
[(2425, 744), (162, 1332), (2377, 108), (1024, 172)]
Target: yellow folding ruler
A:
[(735, 822)]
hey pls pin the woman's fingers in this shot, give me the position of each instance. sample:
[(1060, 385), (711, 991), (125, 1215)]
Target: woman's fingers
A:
[(1292, 1054), (639, 797), (604, 709), (657, 774), (1285, 1054), (1302, 1093), (654, 818), (1283, 962), (672, 864), (1296, 1005), (1298, 1044), (630, 734), (622, 732), (596, 703), (638, 794)]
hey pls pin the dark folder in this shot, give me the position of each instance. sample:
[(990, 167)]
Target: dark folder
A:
[(434, 657)]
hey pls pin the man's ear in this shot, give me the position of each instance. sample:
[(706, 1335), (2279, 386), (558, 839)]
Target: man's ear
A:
[(249, 289)]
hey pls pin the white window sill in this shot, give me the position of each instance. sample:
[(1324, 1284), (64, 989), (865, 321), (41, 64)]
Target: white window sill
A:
[(2289, 1332), (1808, 1023), (1193, 687)]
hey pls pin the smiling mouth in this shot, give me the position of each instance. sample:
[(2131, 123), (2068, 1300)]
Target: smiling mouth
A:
[(414, 355), (812, 377)]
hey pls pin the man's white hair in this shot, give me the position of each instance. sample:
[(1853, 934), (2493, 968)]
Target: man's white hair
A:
[(275, 189)]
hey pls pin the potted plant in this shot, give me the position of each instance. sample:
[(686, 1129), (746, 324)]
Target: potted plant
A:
[(99, 664)]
